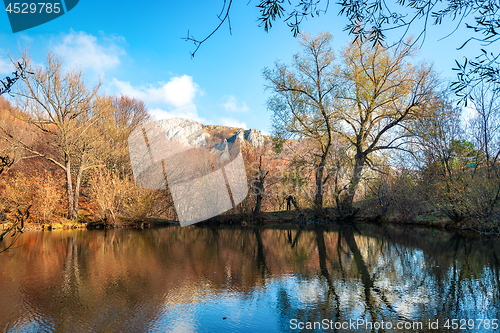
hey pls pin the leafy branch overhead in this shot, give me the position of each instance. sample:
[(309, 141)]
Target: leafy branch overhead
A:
[(373, 19)]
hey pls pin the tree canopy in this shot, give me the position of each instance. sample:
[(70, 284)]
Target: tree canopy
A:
[(370, 98)]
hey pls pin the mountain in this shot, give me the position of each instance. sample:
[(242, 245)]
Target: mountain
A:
[(252, 137)]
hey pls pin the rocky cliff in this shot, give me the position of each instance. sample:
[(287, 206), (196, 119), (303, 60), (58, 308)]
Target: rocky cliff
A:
[(252, 137)]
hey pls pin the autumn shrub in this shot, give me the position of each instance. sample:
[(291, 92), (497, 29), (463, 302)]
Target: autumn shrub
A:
[(406, 199), (48, 196), (40, 191), (379, 195), (139, 203), (107, 191), (16, 191), (114, 195), (163, 205), (246, 207), (465, 195), (396, 194)]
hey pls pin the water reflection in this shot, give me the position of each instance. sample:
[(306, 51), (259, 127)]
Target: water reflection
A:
[(189, 279)]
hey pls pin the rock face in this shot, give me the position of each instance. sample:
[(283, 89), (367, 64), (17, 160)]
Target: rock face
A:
[(221, 150), (240, 135), (252, 136), (186, 132), (217, 128)]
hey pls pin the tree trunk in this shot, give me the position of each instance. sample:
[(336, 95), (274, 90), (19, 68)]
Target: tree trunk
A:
[(260, 189), (77, 191), (69, 189), (318, 197), (261, 258), (346, 208)]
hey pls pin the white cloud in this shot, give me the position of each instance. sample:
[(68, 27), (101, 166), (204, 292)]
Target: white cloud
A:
[(6, 67), (178, 92), (174, 98), (232, 122), (87, 52), (188, 111), (231, 104)]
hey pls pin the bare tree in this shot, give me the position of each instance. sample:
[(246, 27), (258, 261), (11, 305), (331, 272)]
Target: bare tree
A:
[(57, 105), (302, 103), (486, 122)]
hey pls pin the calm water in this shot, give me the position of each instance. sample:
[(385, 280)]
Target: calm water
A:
[(189, 279)]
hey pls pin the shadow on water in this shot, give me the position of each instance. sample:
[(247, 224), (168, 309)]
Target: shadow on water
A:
[(189, 279)]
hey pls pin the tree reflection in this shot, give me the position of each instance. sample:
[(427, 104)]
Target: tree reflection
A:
[(331, 293), (261, 258), (129, 279)]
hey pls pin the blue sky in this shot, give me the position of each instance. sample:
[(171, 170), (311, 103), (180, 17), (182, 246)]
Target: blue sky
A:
[(137, 49)]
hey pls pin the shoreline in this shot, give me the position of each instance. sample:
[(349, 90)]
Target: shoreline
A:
[(277, 219)]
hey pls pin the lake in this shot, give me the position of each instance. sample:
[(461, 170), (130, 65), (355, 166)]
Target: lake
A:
[(200, 279)]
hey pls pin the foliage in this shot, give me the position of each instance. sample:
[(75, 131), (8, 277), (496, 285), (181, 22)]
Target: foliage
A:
[(457, 167), (396, 193), (366, 103), (106, 189), (48, 196), (62, 125), (39, 190), (139, 203), (292, 13), (114, 196), (371, 19), (382, 96), (116, 118)]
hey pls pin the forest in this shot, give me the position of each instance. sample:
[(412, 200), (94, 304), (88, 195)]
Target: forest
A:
[(363, 133)]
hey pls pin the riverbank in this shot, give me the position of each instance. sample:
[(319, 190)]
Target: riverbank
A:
[(278, 219)]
